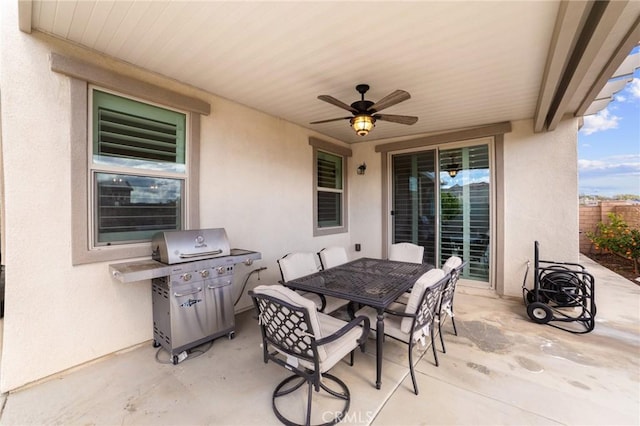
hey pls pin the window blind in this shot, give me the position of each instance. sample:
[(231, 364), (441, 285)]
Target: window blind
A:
[(125, 135), (329, 196)]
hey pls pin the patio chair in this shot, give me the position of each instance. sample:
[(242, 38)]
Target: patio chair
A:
[(452, 267), (413, 322), (406, 252), (308, 343), (332, 256), (296, 265)]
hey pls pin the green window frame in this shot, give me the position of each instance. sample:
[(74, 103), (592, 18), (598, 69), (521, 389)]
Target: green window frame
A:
[(138, 169), (329, 187), (330, 192)]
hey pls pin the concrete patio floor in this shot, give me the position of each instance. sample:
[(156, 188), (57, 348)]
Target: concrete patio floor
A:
[(501, 369)]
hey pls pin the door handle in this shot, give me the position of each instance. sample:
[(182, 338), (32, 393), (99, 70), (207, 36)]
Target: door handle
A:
[(198, 290)]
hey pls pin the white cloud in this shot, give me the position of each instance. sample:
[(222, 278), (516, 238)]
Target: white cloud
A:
[(634, 88), (603, 120), (610, 176), (620, 98), (620, 165)]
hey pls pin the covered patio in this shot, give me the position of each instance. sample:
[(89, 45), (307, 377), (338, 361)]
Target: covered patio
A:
[(501, 369), (499, 90)]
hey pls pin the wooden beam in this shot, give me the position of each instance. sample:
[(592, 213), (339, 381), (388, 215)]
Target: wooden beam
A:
[(630, 40), (569, 21), (601, 21)]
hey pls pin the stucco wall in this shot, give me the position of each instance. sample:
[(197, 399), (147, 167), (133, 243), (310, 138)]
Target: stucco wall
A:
[(540, 199), (256, 181)]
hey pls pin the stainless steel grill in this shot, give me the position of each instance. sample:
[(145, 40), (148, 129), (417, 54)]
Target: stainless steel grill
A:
[(192, 276)]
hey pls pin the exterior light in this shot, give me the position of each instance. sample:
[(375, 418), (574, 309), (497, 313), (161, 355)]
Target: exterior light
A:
[(362, 124), (361, 168)]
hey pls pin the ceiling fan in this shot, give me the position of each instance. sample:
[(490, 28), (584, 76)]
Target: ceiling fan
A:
[(365, 113)]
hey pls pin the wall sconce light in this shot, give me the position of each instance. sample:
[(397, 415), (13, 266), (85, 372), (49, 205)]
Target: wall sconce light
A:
[(452, 168), (361, 168)]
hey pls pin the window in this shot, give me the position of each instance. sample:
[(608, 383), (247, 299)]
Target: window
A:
[(85, 175), (330, 189), (137, 169)]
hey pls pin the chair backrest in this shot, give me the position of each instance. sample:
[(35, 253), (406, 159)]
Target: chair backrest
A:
[(406, 252), (333, 256), (451, 266), (289, 321), (454, 262), (296, 265), (425, 294)]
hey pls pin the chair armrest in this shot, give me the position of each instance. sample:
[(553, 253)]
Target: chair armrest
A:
[(351, 324), (398, 313), (323, 300)]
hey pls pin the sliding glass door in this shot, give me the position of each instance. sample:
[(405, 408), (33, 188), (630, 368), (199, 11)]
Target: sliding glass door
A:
[(414, 201), (441, 200), (465, 208)]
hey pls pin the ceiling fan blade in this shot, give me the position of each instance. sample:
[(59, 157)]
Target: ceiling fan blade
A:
[(390, 100), (402, 119), (330, 120), (338, 103)]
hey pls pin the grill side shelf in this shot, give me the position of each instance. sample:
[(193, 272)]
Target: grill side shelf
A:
[(128, 272)]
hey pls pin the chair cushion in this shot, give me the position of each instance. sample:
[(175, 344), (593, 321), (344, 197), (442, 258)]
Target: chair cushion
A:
[(333, 304), (452, 263), (403, 298), (391, 322), (283, 293), (406, 252), (337, 349), (426, 280), (296, 265), (333, 256)]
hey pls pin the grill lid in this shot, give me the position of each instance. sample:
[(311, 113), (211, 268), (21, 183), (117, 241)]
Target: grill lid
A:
[(172, 247)]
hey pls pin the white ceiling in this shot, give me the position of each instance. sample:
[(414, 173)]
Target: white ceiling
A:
[(464, 63)]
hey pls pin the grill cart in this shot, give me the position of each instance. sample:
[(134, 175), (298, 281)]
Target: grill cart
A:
[(562, 295)]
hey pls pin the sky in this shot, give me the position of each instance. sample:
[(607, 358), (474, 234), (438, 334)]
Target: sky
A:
[(609, 145)]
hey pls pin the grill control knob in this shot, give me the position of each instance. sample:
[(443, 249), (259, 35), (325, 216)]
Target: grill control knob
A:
[(186, 277), (220, 269), (204, 273)]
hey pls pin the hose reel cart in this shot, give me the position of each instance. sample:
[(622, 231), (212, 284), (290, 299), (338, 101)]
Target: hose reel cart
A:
[(562, 296)]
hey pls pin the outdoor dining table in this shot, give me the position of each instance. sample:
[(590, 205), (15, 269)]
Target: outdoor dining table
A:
[(372, 282)]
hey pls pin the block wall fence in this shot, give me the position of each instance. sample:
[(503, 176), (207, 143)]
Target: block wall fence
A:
[(590, 216)]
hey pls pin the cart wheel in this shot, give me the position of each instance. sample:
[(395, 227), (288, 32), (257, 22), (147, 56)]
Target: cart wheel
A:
[(175, 360), (156, 344), (231, 335), (539, 312)]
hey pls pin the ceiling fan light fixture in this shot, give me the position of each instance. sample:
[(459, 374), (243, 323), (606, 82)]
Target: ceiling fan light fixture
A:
[(362, 124)]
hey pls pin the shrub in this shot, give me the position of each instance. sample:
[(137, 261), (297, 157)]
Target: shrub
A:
[(618, 238)]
